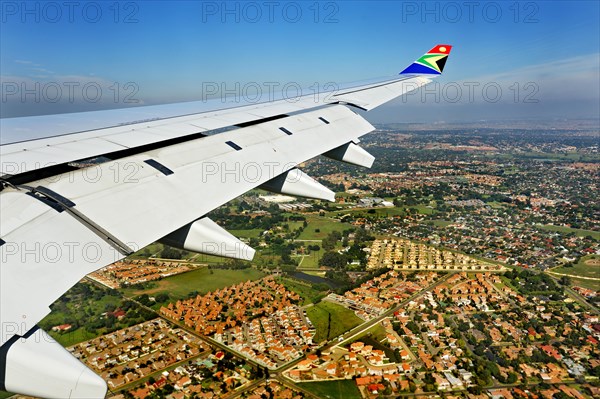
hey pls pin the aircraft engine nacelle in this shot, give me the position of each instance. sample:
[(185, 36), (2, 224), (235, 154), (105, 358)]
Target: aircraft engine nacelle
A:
[(37, 365), (206, 237)]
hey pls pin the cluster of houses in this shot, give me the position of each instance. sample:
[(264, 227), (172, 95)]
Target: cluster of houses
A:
[(482, 292), (127, 355), (275, 390), (201, 378), (136, 271), (403, 254), (356, 361), (375, 296), (586, 292), (520, 341), (272, 340), (372, 370), (237, 305)]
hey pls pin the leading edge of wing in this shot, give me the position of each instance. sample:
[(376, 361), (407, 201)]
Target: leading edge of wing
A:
[(22, 129)]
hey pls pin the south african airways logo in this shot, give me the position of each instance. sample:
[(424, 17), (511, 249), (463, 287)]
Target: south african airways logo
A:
[(431, 63)]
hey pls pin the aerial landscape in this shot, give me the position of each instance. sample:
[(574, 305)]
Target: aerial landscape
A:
[(462, 262), (468, 273)]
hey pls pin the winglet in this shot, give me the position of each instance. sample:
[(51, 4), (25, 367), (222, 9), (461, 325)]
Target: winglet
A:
[(431, 63)]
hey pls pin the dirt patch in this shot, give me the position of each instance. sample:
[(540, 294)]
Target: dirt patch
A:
[(592, 262)]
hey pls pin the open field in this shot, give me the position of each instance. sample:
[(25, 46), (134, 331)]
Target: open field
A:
[(324, 225), (496, 204), (377, 333), (150, 250), (441, 223), (380, 212), (340, 389), (308, 294), (342, 319), (202, 280), (249, 233), (311, 261), (578, 232), (318, 273), (589, 284), (588, 266), (424, 209), (73, 337)]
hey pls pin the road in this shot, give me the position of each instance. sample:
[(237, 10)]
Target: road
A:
[(353, 333), (368, 324)]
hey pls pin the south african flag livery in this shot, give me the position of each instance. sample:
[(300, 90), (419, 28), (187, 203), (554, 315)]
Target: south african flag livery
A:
[(432, 63)]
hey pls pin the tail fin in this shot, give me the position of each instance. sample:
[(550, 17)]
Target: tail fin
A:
[(431, 63)]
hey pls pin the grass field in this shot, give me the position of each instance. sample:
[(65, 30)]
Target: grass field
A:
[(441, 223), (424, 209), (588, 266), (563, 229), (341, 389), (308, 294), (250, 233), (324, 225), (201, 280), (377, 333), (311, 261), (496, 204), (72, 337), (318, 273), (4, 395), (589, 284), (150, 250), (342, 319)]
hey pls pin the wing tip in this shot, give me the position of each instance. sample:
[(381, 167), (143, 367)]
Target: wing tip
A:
[(430, 63)]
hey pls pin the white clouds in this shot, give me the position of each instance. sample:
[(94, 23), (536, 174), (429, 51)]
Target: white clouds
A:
[(566, 88), (575, 78), (46, 93)]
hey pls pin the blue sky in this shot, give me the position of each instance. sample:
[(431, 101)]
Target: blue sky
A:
[(543, 55)]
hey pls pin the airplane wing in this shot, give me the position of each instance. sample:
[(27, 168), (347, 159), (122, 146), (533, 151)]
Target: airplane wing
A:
[(111, 182)]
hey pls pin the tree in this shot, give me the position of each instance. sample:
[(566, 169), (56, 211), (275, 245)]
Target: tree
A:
[(171, 253), (565, 280), (333, 260)]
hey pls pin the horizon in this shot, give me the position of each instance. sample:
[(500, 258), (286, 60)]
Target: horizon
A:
[(509, 62)]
